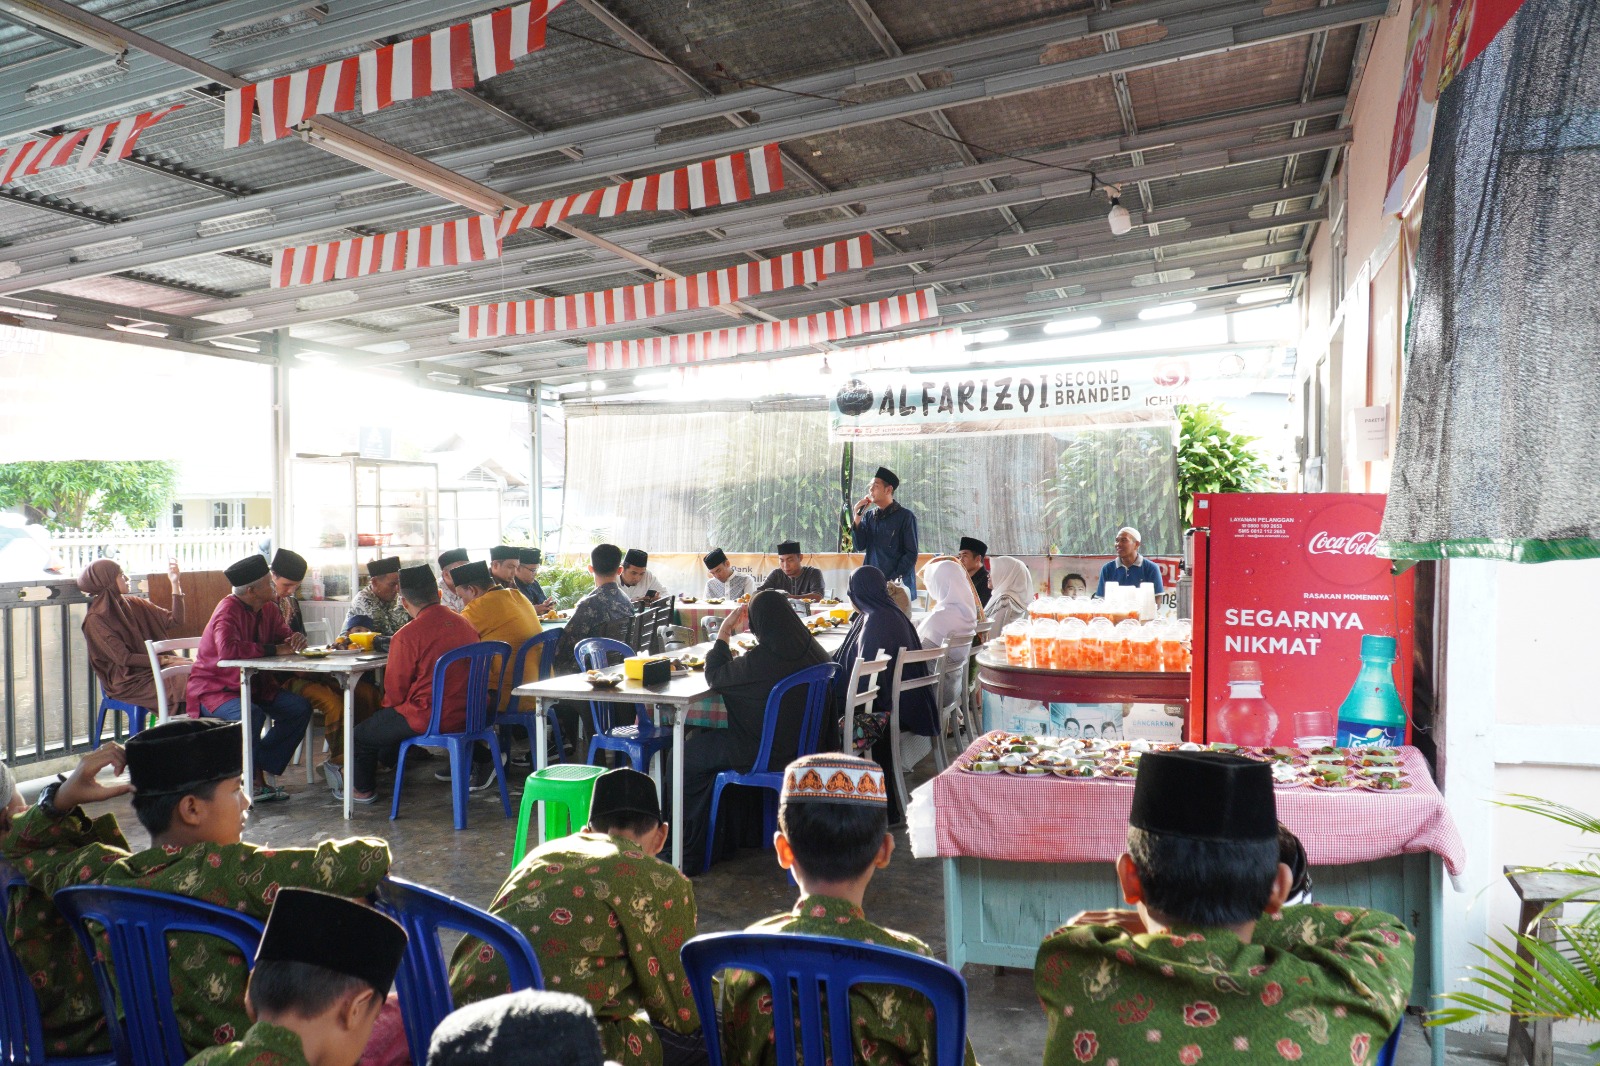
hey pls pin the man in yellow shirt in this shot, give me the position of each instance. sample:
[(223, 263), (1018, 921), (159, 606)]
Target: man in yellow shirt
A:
[(497, 613)]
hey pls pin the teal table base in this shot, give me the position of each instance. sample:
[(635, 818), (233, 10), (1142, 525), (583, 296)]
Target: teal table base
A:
[(997, 913)]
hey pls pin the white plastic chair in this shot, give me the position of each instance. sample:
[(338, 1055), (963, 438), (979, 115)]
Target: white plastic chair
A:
[(317, 632), (861, 699), (934, 658), (952, 694), (157, 648)]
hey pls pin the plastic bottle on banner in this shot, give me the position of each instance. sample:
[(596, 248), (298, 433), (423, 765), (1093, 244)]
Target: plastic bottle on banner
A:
[(1245, 717), (1372, 715)]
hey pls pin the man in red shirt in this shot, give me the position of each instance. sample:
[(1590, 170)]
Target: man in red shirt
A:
[(248, 625), (408, 680)]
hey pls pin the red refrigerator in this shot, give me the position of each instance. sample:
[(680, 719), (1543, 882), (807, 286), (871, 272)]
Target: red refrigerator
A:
[(1290, 582)]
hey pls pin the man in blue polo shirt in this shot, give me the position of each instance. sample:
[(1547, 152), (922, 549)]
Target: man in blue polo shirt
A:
[(1129, 567)]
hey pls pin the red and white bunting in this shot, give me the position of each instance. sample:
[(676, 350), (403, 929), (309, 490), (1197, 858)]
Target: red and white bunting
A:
[(835, 325), (634, 302), (285, 102), (30, 157), (466, 240), (726, 179)]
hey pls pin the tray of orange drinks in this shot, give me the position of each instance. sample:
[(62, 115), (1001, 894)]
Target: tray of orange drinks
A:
[(1098, 646)]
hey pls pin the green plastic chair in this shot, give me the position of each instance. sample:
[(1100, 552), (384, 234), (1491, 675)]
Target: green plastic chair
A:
[(566, 790)]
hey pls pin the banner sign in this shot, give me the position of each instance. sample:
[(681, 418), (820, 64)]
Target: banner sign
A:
[(1028, 400), (1290, 582), (1413, 118)]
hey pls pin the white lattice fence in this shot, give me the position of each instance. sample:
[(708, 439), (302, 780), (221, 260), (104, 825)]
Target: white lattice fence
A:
[(141, 551)]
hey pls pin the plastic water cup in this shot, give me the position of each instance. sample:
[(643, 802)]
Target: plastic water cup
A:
[(1314, 725)]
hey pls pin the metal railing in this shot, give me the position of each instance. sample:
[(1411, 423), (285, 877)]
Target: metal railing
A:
[(48, 691), (146, 551)]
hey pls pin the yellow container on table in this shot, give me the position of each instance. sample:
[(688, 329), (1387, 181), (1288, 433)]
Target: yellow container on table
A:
[(633, 665), (363, 640), (841, 614)]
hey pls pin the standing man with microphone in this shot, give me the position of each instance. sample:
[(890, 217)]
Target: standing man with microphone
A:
[(887, 533)]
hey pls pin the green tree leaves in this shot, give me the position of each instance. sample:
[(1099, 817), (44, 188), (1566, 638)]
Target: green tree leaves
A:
[(1213, 458), (88, 493)]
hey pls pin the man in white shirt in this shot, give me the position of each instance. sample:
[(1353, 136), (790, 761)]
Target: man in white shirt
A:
[(637, 582), (724, 580)]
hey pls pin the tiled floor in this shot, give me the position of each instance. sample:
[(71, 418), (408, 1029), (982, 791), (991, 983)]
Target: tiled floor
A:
[(1005, 1025)]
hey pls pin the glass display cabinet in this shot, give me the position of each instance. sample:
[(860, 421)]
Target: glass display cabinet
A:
[(348, 511)]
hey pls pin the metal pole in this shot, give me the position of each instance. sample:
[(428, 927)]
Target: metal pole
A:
[(536, 481), (273, 345)]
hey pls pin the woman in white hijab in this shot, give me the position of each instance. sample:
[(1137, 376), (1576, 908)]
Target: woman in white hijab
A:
[(955, 606), (1010, 586)]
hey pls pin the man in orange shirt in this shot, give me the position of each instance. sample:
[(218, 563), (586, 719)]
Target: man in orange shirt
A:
[(434, 629)]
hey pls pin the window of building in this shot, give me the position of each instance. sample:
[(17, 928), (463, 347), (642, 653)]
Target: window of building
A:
[(177, 516)]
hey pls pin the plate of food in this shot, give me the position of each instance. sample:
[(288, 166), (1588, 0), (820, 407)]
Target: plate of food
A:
[(1328, 779), (1385, 783), (829, 602), (600, 679), (982, 766), (1027, 771), (687, 599), (315, 653), (714, 599), (693, 662)]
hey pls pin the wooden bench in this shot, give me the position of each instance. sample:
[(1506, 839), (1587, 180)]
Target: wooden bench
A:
[(1529, 1040)]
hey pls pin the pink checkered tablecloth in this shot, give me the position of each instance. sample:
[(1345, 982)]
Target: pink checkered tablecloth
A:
[(1053, 819)]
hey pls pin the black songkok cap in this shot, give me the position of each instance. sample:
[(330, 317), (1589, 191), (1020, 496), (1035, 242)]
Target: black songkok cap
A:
[(1204, 795), (387, 565), (974, 545), (246, 571), (530, 556), (420, 578), (334, 933), (451, 557), (289, 564), (789, 547), (501, 552), (520, 1027), (636, 557), (888, 477), (182, 754), (624, 790), (715, 558), (474, 574)]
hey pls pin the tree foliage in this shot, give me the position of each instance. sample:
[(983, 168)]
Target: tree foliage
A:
[(1109, 478), (1213, 458), (89, 493)]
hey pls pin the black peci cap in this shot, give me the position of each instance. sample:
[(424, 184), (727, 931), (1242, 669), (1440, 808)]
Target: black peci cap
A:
[(475, 575), (888, 477), (420, 578), (289, 564), (625, 790), (451, 557), (246, 571), (389, 564), (332, 932), (1204, 795), (714, 558), (182, 754), (636, 557)]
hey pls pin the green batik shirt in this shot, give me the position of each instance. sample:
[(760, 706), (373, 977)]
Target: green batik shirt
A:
[(892, 1027), (208, 976), (606, 922), (264, 1045), (1315, 984), (69, 1005)]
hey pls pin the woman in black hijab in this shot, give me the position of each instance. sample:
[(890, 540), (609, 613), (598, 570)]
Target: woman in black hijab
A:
[(744, 682), (880, 626)]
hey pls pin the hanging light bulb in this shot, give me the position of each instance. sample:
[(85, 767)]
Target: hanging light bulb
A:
[(1118, 217)]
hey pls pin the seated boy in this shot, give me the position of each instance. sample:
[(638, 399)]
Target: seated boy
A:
[(833, 834), (524, 1028), (606, 919), (1210, 963), (185, 775), (322, 973)]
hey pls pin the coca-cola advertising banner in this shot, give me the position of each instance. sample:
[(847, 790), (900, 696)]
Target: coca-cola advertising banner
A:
[(1286, 587)]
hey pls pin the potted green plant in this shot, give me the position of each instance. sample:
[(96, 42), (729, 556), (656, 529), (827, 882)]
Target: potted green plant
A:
[(1213, 458)]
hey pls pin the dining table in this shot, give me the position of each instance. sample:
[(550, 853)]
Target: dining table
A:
[(675, 699)]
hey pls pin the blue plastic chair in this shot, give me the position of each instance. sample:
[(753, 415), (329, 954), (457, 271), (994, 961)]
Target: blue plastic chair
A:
[(479, 658), (21, 1033), (514, 714), (640, 741), (137, 922), (135, 714), (818, 679), (1391, 1046), (819, 972), (423, 982)]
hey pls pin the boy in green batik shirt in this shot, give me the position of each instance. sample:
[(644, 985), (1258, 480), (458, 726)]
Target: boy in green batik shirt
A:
[(322, 974), (185, 775), (1211, 963), (833, 835), (606, 919)]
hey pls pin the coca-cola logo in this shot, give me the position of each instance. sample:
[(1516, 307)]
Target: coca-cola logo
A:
[(1325, 543), (1342, 544)]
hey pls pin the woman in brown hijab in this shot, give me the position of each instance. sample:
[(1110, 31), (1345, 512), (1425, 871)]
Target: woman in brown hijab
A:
[(116, 627)]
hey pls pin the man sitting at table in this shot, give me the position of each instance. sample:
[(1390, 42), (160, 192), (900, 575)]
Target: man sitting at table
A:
[(833, 835), (971, 556), (248, 625), (793, 579), (377, 607), (408, 680), (497, 614), (184, 776), (504, 560), (620, 918), (637, 582), (1129, 567), (1210, 962), (724, 580), (448, 561), (528, 560), (599, 608)]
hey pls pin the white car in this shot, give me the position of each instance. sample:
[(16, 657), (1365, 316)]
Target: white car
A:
[(25, 551)]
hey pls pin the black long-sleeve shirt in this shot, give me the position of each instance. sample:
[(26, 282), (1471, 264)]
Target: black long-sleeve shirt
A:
[(745, 682)]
